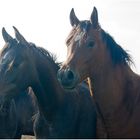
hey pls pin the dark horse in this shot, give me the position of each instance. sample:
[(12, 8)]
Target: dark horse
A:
[(16, 115), (62, 113), (93, 53)]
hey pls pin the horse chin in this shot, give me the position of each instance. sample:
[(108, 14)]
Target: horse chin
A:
[(71, 85)]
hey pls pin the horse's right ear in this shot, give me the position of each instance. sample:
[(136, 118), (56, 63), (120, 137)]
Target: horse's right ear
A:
[(73, 19), (7, 38)]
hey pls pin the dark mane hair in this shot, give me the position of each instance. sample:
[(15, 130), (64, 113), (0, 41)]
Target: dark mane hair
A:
[(43, 52), (118, 54)]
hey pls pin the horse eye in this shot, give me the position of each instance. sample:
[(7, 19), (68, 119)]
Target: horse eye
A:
[(91, 44)]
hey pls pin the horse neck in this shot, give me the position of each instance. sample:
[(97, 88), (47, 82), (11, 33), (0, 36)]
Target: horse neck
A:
[(47, 88), (116, 94), (111, 86)]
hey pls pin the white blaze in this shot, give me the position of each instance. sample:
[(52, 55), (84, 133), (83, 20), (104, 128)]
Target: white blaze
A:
[(79, 37)]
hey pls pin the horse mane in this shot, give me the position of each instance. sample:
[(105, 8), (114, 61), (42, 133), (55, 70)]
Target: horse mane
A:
[(49, 55), (118, 54), (43, 52)]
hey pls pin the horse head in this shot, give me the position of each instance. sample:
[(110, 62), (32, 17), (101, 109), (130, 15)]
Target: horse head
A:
[(83, 43), (14, 62)]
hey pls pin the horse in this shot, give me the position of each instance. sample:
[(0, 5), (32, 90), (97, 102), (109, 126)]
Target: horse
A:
[(115, 88), (16, 116), (62, 113)]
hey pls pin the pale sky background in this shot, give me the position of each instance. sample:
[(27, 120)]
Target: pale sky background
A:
[(46, 22)]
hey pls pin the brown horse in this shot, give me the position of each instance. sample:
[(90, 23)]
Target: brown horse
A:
[(93, 53), (62, 113)]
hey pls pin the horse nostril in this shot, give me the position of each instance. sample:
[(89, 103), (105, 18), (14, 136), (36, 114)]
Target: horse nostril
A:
[(70, 75), (67, 78)]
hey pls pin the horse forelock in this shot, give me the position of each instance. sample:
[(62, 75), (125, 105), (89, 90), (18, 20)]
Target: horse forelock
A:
[(82, 28), (85, 25)]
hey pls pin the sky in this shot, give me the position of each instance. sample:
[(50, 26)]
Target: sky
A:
[(46, 22)]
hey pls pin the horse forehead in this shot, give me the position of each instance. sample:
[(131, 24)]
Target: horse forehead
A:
[(79, 36), (84, 27), (9, 54)]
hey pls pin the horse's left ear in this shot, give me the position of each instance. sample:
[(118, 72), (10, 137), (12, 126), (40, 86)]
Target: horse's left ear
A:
[(19, 37), (94, 18)]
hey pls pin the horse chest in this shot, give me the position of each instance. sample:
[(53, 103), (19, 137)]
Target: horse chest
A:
[(122, 128)]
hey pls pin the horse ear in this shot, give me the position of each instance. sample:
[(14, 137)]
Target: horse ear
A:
[(94, 18), (73, 19), (19, 37), (7, 38)]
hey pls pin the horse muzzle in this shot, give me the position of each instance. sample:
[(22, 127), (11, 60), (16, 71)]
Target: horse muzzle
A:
[(67, 78)]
